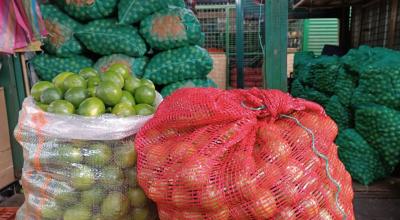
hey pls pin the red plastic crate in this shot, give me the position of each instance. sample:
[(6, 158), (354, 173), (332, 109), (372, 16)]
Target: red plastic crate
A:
[(8, 213)]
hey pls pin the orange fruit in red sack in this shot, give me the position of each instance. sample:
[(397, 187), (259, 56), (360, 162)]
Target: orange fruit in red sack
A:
[(195, 173), (181, 198), (157, 190), (274, 148), (212, 198), (309, 207), (264, 206), (222, 214), (286, 213), (157, 155)]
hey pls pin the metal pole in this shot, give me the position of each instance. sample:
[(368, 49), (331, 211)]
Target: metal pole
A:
[(239, 44)]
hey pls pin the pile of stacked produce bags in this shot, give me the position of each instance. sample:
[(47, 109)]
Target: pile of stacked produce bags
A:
[(361, 92), (159, 40)]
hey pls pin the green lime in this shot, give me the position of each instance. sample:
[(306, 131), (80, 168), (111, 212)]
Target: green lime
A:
[(88, 72), (145, 95), (38, 89), (131, 176), (131, 84), (92, 107), (74, 81), (98, 155), (92, 197), (42, 106), (148, 83), (58, 81), (140, 213), (69, 154), (127, 97), (123, 110), (82, 178), (111, 176), (113, 77), (77, 212), (50, 95), (125, 156), (121, 69), (50, 210), (109, 93), (93, 81), (137, 197), (98, 217), (91, 91), (61, 107), (114, 206), (65, 198), (76, 96), (144, 109)]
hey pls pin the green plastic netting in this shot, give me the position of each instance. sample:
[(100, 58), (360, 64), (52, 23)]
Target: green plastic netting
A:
[(61, 28), (361, 160), (105, 37), (325, 71), (171, 28), (340, 114), (302, 65), (346, 82), (132, 11), (136, 65), (380, 126), (47, 67), (88, 9), (205, 83), (179, 64)]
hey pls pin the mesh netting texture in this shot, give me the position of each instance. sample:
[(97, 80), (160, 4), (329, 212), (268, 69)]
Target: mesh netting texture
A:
[(88, 9), (136, 65), (255, 154), (80, 168)]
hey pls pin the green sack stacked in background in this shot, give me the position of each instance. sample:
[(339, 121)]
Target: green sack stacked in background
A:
[(324, 72), (346, 82), (362, 160), (61, 28), (88, 9), (205, 83), (171, 28), (105, 37), (179, 64), (132, 11), (47, 67), (136, 65), (340, 114)]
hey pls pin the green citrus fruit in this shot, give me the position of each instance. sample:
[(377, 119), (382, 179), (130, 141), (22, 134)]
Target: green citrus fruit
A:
[(93, 81), (77, 212), (58, 81), (82, 178), (74, 81), (50, 210), (88, 72), (145, 95), (98, 217), (98, 155), (91, 91), (127, 97), (140, 213), (123, 110), (65, 198), (92, 197), (42, 106), (131, 177), (113, 77), (92, 107), (121, 69), (148, 83), (109, 93), (131, 84), (125, 156), (76, 96), (69, 154), (137, 198), (111, 176), (114, 206), (144, 109), (38, 89), (61, 107), (50, 95)]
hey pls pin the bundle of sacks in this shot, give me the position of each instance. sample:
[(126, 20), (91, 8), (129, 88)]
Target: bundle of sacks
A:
[(159, 39), (361, 92)]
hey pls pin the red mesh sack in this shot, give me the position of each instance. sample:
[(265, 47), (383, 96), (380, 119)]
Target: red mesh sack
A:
[(242, 154)]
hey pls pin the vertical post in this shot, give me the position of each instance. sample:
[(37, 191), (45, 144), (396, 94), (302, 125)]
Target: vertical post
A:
[(276, 30), (239, 44), (227, 45), (306, 34), (345, 35), (393, 23)]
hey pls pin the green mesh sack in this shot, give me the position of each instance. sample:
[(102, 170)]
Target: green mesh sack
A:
[(179, 64), (136, 65), (315, 96), (105, 37), (345, 84), (297, 89), (132, 11), (361, 160), (340, 114), (85, 10), (324, 71), (380, 126), (171, 28), (302, 68), (47, 67), (202, 83), (61, 28)]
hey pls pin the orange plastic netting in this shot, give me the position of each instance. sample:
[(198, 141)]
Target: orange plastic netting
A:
[(255, 154)]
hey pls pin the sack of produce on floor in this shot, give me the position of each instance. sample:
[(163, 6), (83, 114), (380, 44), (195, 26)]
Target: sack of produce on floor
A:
[(242, 154), (88, 9), (346, 83), (179, 64), (83, 165), (324, 72), (106, 37), (339, 113), (132, 11), (135, 65), (205, 83), (60, 40), (171, 28), (362, 161), (47, 66)]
